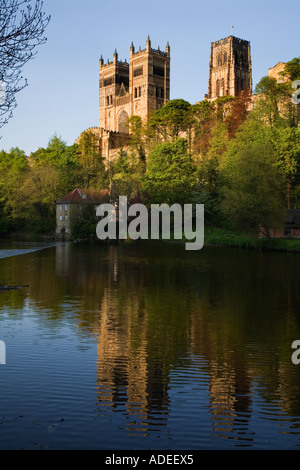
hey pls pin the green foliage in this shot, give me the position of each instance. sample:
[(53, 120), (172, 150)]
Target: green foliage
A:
[(287, 145), (83, 222), (166, 123), (137, 139), (126, 176), (14, 168), (270, 99), (171, 174), (91, 171), (251, 184), (217, 236), (292, 69), (244, 166)]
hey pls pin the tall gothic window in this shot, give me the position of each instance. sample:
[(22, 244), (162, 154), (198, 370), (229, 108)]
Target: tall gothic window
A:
[(123, 121), (222, 88)]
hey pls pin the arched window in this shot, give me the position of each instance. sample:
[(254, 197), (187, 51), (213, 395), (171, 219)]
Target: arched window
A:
[(225, 58), (222, 88), (123, 121), (217, 88), (219, 59)]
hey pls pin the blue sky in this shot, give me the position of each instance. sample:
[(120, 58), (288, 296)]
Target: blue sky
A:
[(62, 96)]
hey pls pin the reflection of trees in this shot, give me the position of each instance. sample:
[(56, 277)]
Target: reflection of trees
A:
[(152, 305), (245, 333)]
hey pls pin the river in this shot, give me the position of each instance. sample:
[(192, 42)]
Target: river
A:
[(144, 345)]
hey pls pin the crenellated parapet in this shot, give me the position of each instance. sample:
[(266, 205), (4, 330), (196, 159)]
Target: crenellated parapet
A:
[(230, 68), (139, 87)]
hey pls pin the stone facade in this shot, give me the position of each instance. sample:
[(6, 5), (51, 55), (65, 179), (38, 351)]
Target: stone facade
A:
[(108, 142), (139, 87), (275, 72), (71, 208), (290, 228), (142, 86), (230, 68)]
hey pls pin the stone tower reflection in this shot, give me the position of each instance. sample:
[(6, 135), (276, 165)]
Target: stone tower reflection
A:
[(127, 379)]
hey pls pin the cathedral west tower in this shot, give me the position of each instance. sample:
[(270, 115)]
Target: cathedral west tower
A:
[(139, 87)]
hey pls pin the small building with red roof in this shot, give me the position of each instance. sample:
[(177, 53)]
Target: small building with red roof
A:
[(72, 207)]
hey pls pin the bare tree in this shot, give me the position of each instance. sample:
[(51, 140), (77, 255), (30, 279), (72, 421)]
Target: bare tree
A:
[(22, 26)]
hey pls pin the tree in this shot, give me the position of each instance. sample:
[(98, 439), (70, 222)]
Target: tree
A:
[(63, 159), (272, 102), (252, 184), (13, 171), (287, 145), (209, 165), (136, 141), (238, 111), (22, 26), (166, 123), (292, 69), (92, 167), (126, 176), (39, 192), (171, 175), (203, 121), (292, 73)]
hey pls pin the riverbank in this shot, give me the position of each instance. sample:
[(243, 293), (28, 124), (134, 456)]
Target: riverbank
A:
[(212, 236), (218, 236)]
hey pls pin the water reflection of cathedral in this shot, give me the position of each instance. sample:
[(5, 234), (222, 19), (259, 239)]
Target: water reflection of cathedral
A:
[(140, 342), (127, 380)]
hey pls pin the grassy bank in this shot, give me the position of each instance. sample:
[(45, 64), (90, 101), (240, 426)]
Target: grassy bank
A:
[(217, 236)]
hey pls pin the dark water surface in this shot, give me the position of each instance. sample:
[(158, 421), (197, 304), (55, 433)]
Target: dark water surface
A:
[(148, 346)]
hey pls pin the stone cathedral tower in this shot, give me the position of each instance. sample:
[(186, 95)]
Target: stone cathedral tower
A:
[(136, 88), (230, 69)]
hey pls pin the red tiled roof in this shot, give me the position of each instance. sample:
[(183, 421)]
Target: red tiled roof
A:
[(84, 195)]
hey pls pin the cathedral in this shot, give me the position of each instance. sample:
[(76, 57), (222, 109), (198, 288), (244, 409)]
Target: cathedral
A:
[(142, 86), (139, 87), (230, 68)]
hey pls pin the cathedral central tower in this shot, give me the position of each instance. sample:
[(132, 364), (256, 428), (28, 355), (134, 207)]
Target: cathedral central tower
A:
[(230, 69)]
